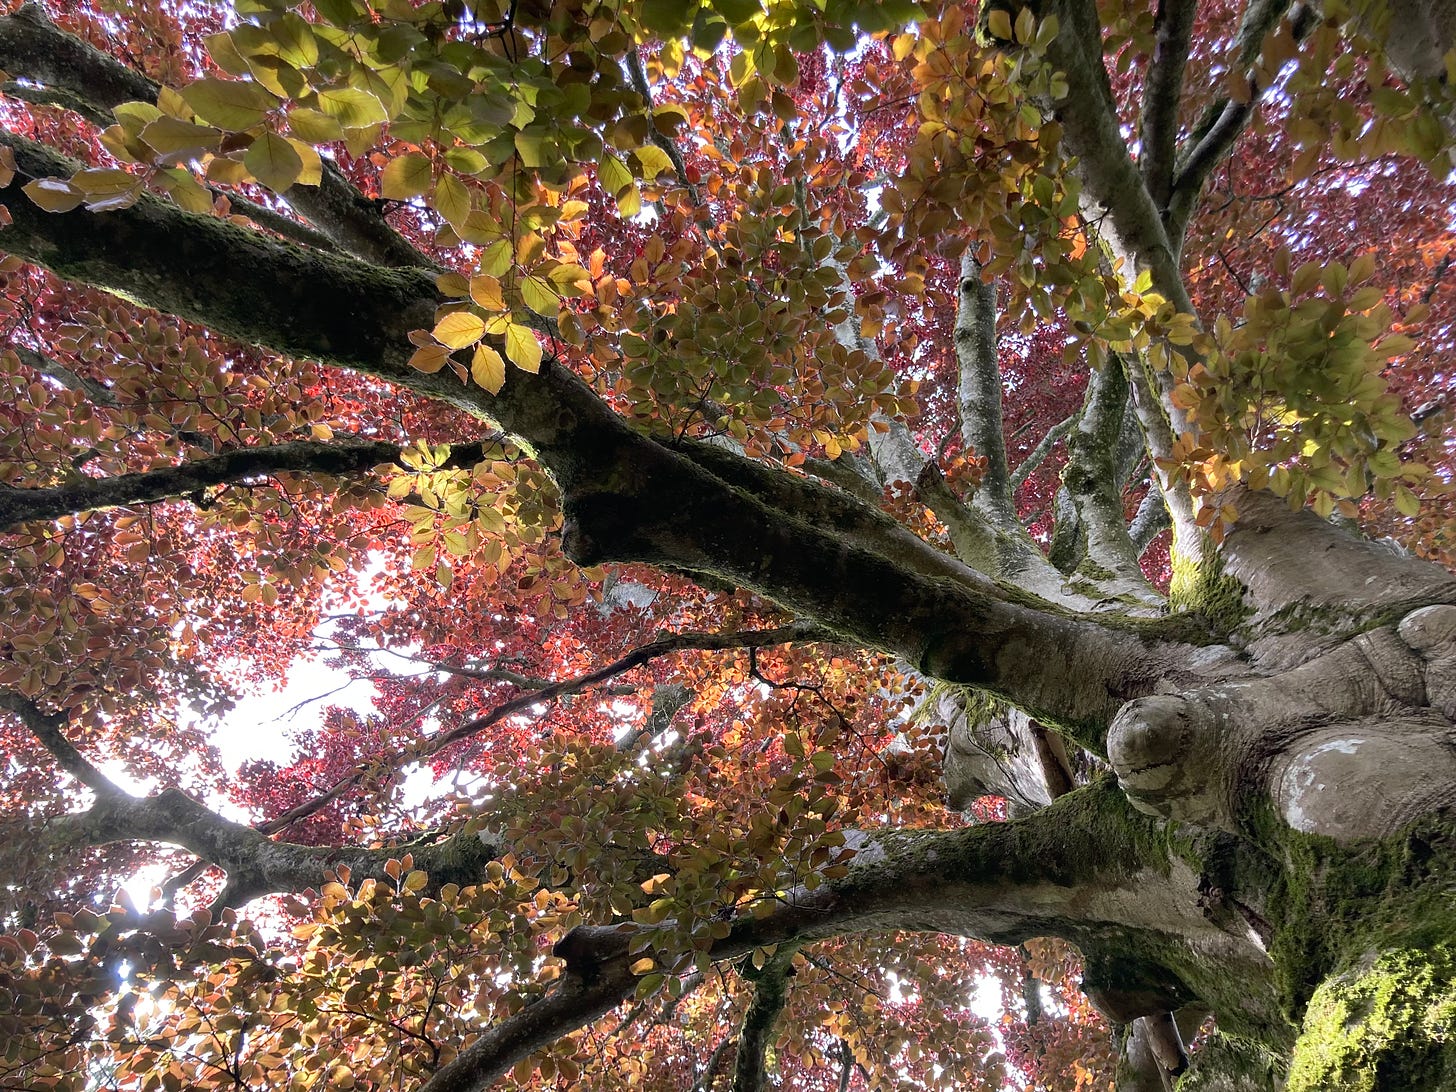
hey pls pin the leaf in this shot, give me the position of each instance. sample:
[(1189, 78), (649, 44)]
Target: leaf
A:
[(352, 107), (314, 126), (614, 175), (429, 358), (53, 194), (273, 162), (229, 104), (485, 290), (488, 369), (459, 329), (405, 177), (652, 160), (451, 200), (175, 141), (539, 296), (523, 348)]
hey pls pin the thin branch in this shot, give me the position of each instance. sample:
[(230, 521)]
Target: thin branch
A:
[(1043, 448), (49, 729), (98, 393), (18, 505), (638, 75), (677, 642)]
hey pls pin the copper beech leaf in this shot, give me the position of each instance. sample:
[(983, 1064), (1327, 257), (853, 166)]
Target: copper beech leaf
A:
[(523, 348), (488, 369)]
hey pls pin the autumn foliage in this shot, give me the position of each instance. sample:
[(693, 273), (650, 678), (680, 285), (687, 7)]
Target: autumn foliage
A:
[(744, 231)]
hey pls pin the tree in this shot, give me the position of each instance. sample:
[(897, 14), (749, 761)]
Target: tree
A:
[(695, 419)]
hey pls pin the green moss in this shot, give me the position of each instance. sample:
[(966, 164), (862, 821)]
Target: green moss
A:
[(1205, 589), (1388, 1023), (1229, 1064), (1363, 942)]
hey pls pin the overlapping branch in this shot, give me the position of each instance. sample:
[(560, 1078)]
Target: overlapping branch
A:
[(999, 882), (625, 497)]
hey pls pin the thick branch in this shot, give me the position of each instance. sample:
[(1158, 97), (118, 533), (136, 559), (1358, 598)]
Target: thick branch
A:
[(88, 494), (1105, 553), (1082, 869), (1224, 120), (626, 498), (35, 48), (1158, 131), (978, 395), (756, 1033)]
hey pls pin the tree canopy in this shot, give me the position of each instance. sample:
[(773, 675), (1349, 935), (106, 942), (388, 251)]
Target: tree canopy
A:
[(886, 545)]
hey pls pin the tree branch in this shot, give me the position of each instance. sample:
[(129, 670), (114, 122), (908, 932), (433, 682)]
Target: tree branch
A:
[(978, 395), (625, 497), (1103, 552), (94, 82), (49, 729), (1071, 870), (99, 393), (19, 505), (756, 1033), (1224, 120), (1038, 454), (549, 692), (1158, 129)]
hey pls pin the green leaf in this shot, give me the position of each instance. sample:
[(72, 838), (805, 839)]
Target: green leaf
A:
[(53, 194), (652, 160), (229, 104), (539, 296), (176, 141), (314, 126), (405, 177), (614, 175), (273, 162), (451, 200), (352, 108)]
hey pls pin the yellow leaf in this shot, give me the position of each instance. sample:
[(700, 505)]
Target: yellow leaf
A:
[(485, 290), (459, 329), (415, 881), (488, 369), (313, 165), (429, 358), (643, 965), (998, 22), (523, 348)]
